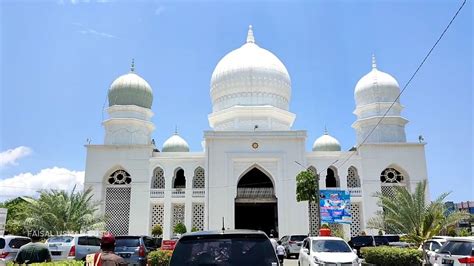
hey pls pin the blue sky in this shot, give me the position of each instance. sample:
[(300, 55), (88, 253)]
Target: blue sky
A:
[(58, 59)]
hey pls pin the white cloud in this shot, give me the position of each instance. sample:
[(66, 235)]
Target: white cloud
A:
[(28, 184), (97, 33), (10, 157), (159, 10)]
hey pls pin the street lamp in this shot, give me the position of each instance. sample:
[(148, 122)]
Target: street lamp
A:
[(318, 207)]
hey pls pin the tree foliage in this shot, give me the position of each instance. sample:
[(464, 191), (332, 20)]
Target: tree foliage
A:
[(179, 228), (157, 230), (57, 212), (15, 216), (410, 214), (306, 185)]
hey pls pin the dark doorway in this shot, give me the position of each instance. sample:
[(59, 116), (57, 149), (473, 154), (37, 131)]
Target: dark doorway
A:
[(180, 179), (257, 216), (256, 205), (331, 180)]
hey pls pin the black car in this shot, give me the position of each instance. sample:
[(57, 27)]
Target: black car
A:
[(233, 247), (359, 242)]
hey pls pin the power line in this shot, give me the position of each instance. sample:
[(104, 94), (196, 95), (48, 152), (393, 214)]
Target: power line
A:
[(403, 90)]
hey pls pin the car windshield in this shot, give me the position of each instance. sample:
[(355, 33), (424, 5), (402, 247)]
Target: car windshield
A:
[(458, 248), (127, 241), (298, 237), (224, 250), (60, 239), (330, 246)]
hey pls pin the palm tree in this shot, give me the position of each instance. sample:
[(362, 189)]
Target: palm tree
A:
[(307, 189), (57, 212), (410, 214)]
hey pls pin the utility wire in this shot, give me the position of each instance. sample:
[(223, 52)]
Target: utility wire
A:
[(403, 90)]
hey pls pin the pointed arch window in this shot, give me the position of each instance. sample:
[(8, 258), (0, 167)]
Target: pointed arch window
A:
[(353, 179), (119, 177), (179, 180), (331, 178), (391, 176), (158, 181), (199, 178)]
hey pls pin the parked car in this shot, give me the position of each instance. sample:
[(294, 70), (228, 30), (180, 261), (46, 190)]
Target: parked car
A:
[(292, 244), (72, 246), (326, 250), (430, 246), (456, 251), (233, 247), (359, 242), (134, 249), (9, 246)]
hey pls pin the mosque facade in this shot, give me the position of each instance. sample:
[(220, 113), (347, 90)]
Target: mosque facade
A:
[(245, 174)]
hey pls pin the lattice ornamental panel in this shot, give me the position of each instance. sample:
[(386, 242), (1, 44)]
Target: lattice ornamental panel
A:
[(352, 178), (198, 216), (158, 178), (198, 179), (355, 225), (389, 190), (315, 217), (178, 214), (157, 214), (117, 209)]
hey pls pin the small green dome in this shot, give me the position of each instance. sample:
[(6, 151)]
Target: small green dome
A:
[(130, 89)]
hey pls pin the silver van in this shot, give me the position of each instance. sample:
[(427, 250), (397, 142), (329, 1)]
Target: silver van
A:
[(9, 246)]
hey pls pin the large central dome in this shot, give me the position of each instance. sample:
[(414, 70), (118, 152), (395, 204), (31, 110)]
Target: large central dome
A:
[(250, 76)]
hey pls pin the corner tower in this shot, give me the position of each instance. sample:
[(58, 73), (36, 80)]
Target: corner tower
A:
[(250, 89), (374, 94), (130, 99)]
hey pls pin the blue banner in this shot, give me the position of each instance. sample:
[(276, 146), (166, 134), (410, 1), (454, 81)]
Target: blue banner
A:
[(335, 206)]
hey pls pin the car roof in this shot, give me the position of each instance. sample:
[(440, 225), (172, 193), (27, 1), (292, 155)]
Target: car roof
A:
[(226, 232), (464, 238), (325, 238), (13, 236)]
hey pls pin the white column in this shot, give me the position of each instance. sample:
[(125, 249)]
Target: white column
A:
[(343, 177), (168, 211), (189, 173)]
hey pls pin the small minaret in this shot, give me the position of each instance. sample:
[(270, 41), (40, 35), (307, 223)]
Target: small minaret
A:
[(374, 94), (130, 99)]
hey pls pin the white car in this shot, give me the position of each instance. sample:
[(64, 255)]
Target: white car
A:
[(324, 250), (72, 246), (430, 247), (456, 251), (9, 246)]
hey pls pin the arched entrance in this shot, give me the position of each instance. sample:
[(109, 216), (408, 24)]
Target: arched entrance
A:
[(256, 205)]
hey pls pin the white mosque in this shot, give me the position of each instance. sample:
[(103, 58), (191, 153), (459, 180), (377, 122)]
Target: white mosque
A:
[(245, 172)]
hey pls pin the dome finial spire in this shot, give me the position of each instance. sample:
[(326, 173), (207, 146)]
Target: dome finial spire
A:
[(176, 129), (250, 37), (374, 63), (132, 67), (326, 130)]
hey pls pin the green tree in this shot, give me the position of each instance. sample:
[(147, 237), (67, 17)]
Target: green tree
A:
[(157, 230), (57, 212), (410, 214), (179, 228), (307, 189), (15, 216)]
